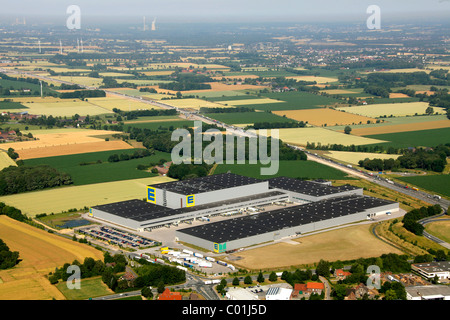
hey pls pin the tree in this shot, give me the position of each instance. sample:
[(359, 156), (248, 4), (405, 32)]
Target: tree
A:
[(235, 281), (147, 293), (339, 292), (248, 280), (260, 278), (323, 268), (390, 295), (347, 130), (161, 287), (273, 276), (429, 110)]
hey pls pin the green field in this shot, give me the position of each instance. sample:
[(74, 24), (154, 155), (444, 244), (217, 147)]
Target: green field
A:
[(101, 172), (247, 117), (293, 169), (11, 105), (231, 98), (436, 183), (89, 288), (294, 101), (159, 124), (424, 138)]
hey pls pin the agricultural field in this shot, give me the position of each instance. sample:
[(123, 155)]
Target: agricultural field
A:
[(294, 101), (40, 252), (324, 117), (110, 102), (62, 199), (331, 245), (401, 127), (355, 157), (154, 125), (294, 169), (423, 138), (195, 104), (61, 138), (406, 70), (244, 102), (319, 80), (408, 120), (57, 107), (394, 109), (83, 81), (247, 117), (5, 160), (100, 172), (301, 136), (438, 183)]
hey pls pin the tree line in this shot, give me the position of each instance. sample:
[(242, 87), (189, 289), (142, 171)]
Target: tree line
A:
[(8, 258), (410, 219), (29, 178)]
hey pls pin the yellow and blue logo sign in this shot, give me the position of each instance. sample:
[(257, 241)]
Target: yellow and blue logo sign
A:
[(90, 212), (220, 247), (190, 200), (151, 195)]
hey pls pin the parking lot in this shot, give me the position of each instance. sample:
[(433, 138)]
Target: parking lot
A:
[(117, 237)]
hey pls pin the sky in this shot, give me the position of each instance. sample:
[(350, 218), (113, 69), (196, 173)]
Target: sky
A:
[(228, 10)]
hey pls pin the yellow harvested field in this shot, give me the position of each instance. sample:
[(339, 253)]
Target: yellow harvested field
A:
[(320, 80), (84, 81), (68, 149), (5, 160), (111, 102), (402, 127), (157, 73), (397, 95), (354, 157), (324, 116), (394, 109), (347, 243), (65, 108), (40, 252), (242, 77), (194, 104), (61, 199), (60, 138), (301, 136), (250, 101)]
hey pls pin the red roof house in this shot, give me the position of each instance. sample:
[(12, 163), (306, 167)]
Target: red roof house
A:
[(168, 295)]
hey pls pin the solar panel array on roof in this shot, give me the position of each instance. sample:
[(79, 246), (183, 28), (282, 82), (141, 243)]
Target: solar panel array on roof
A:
[(205, 184), (306, 187), (264, 222)]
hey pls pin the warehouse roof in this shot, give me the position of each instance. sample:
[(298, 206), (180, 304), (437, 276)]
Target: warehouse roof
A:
[(271, 221), (205, 184), (141, 211), (311, 188)]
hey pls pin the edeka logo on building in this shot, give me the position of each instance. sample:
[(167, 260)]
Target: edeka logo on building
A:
[(258, 145), (220, 247), (190, 200), (90, 212), (151, 195)]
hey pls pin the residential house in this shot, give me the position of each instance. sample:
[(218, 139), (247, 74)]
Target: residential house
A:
[(314, 287), (341, 274), (169, 295)]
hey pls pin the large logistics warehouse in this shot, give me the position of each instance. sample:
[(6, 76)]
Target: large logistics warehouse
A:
[(316, 205)]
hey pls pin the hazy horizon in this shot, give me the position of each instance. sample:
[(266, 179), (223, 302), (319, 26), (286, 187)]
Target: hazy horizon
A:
[(118, 11)]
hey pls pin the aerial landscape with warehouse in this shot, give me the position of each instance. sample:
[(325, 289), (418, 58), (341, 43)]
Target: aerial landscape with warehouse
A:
[(354, 121)]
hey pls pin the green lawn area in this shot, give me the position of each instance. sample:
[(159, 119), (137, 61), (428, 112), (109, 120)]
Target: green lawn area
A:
[(90, 288), (294, 100), (231, 98), (247, 117), (293, 169), (101, 172), (424, 138), (436, 183)]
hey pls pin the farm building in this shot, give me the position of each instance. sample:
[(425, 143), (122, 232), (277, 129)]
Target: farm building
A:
[(312, 206)]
